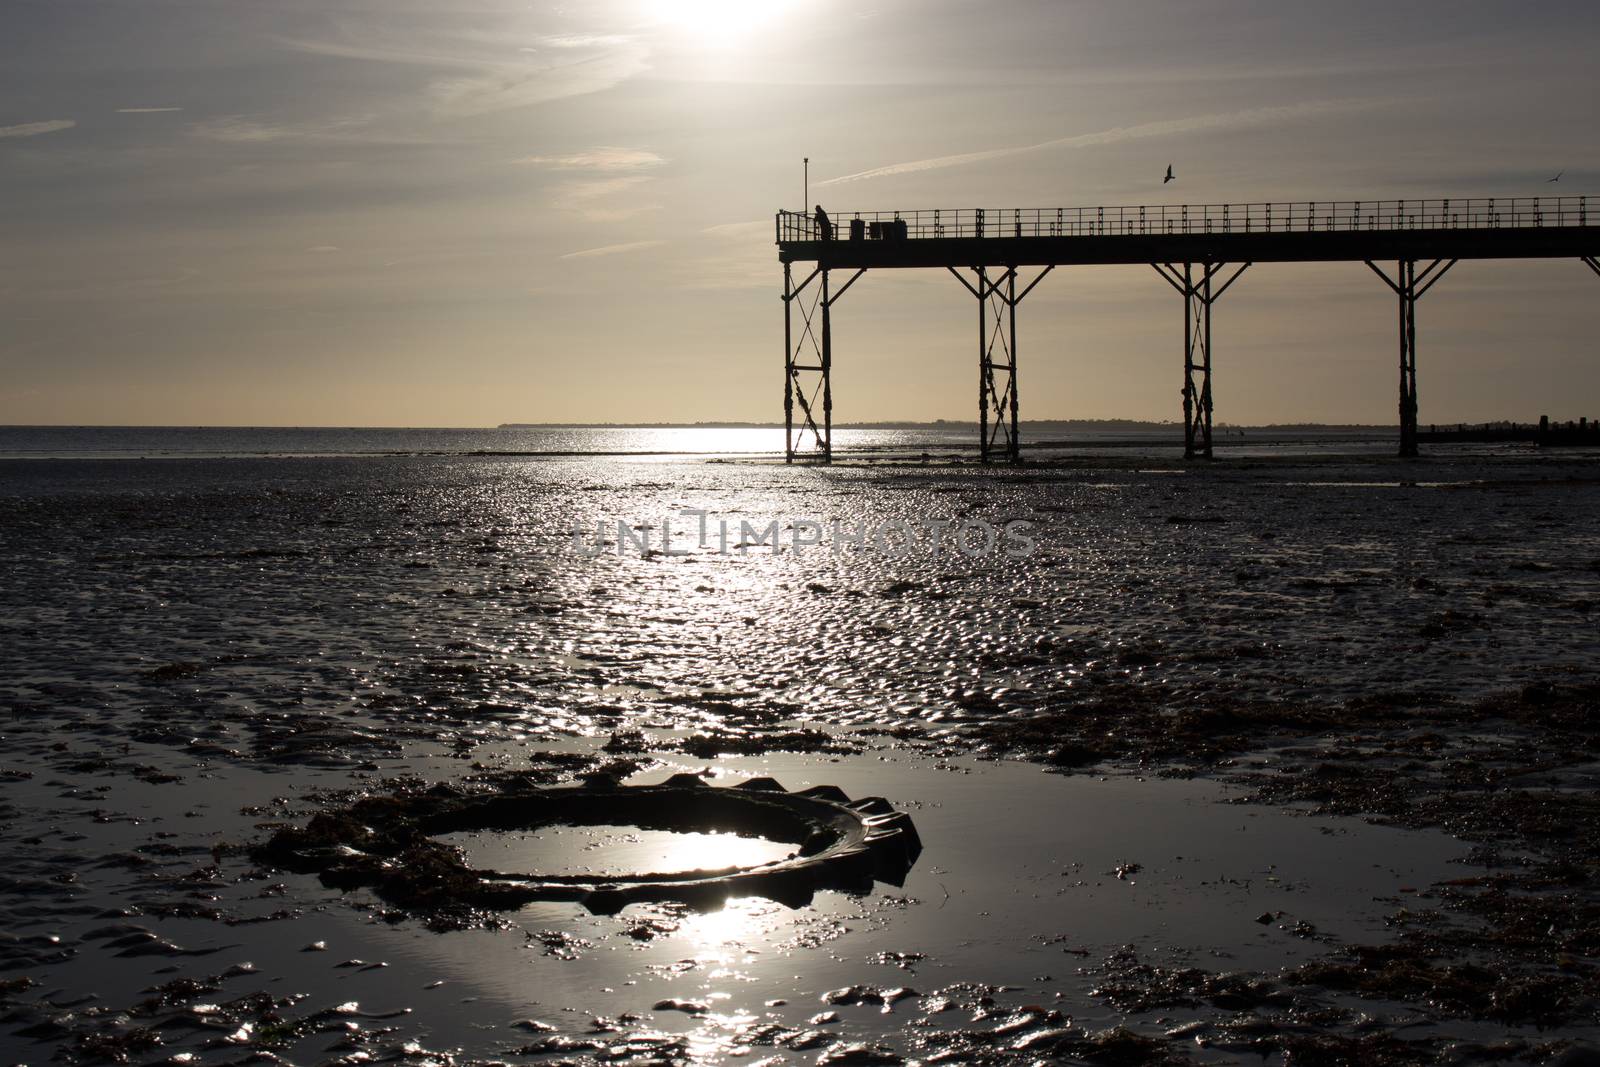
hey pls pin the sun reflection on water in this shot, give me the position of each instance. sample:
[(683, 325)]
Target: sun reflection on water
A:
[(723, 943), (612, 849), (725, 934)]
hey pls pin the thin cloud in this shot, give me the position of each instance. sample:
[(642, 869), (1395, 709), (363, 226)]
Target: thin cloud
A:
[(740, 231), (618, 213), (584, 40), (146, 110), (34, 129), (1229, 120), (236, 129), (489, 82), (243, 129), (604, 158), (612, 250), (383, 53), (507, 86), (613, 198), (582, 192)]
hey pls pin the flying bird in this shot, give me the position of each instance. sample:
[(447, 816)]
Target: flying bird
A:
[(1169, 176), (1557, 177)]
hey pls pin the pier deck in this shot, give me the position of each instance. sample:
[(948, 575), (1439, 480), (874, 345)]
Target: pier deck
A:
[(1200, 250)]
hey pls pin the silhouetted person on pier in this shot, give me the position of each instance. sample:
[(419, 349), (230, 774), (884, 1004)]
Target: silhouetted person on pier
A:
[(824, 224)]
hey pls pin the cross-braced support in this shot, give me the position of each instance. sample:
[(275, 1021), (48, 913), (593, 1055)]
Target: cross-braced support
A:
[(1409, 286), (997, 359), (1198, 295), (808, 364), (1594, 264)]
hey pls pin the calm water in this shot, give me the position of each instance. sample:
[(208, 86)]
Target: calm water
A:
[(81, 442), (168, 441)]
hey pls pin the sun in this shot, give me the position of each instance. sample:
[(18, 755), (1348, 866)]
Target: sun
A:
[(718, 22)]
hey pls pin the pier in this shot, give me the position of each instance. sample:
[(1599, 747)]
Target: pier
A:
[(1001, 256)]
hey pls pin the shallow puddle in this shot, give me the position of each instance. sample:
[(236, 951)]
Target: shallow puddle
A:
[(555, 850), (1027, 880)]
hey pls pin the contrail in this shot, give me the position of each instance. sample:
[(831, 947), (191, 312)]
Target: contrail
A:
[(34, 129)]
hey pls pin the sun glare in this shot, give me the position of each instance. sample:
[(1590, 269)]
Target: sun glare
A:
[(718, 22), (723, 935)]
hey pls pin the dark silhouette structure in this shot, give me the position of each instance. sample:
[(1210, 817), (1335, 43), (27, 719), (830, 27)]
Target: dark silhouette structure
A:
[(1199, 250), (824, 224)]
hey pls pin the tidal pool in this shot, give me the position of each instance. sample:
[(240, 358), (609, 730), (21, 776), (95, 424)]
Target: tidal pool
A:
[(555, 850)]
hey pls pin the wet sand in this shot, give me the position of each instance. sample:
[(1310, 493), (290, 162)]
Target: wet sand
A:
[(1284, 755)]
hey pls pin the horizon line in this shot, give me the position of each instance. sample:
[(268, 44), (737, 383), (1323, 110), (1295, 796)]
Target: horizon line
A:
[(743, 424)]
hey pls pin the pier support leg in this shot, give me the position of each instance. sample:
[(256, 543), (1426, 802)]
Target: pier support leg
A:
[(1408, 357), (827, 372), (1199, 292), (788, 363), (808, 364), (997, 359), (985, 368), (1594, 264), (1409, 286)]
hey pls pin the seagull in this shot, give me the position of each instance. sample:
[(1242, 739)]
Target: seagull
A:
[(1169, 176), (1557, 177)]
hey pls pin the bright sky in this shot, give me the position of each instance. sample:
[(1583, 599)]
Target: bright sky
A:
[(396, 212)]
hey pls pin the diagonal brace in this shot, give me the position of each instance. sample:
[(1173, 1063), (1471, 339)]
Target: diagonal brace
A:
[(834, 299)]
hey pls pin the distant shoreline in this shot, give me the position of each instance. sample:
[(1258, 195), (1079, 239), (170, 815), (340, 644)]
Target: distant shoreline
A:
[(1033, 425), (1081, 425)]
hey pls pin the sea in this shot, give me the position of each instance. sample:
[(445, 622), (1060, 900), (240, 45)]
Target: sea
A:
[(153, 442)]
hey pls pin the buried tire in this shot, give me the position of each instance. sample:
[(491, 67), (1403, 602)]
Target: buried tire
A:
[(389, 844)]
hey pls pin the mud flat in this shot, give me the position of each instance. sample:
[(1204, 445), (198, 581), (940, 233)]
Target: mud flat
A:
[(1289, 755)]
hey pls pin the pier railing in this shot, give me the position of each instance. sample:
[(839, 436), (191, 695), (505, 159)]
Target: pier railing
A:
[(1306, 217)]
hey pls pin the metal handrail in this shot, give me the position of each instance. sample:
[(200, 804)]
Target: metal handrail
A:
[(1311, 216)]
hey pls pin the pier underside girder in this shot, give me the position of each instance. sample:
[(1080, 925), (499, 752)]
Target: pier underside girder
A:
[(1199, 293), (1409, 286)]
